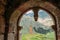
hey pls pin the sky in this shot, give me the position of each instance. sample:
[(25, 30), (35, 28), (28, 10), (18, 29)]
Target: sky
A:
[(41, 13), (43, 17)]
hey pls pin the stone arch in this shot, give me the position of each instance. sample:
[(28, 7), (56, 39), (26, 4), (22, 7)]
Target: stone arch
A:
[(22, 8)]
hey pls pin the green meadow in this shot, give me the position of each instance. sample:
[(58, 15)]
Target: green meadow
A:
[(37, 36)]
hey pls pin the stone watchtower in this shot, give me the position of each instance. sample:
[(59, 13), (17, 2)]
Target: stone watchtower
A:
[(31, 29)]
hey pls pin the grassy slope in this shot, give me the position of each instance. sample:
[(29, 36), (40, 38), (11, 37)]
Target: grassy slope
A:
[(49, 36)]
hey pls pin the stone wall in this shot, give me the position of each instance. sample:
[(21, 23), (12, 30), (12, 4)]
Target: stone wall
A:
[(12, 35), (2, 27), (42, 4), (2, 22)]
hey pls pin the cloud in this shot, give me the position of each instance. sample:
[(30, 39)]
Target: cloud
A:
[(30, 11), (47, 21)]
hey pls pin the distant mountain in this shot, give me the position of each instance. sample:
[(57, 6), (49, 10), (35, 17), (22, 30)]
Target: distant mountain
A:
[(26, 21), (41, 30)]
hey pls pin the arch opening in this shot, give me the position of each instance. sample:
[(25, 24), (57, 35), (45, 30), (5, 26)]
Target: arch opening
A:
[(37, 30)]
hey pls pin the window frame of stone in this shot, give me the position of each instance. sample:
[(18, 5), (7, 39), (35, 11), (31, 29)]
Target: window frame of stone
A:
[(54, 26)]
